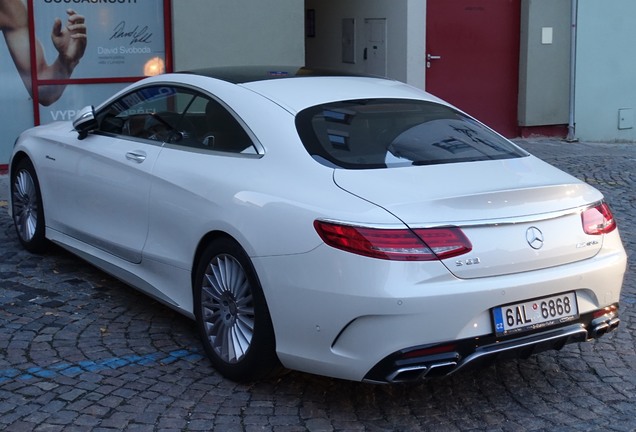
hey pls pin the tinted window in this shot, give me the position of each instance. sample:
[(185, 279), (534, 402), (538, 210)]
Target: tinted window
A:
[(383, 133), (155, 113), (221, 131), (178, 116)]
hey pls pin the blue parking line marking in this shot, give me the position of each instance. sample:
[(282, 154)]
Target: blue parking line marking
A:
[(72, 371), (84, 366)]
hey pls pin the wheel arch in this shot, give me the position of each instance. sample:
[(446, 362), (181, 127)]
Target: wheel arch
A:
[(267, 361), (16, 159), (28, 217), (13, 163), (208, 238)]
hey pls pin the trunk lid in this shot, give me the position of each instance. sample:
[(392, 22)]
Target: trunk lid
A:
[(519, 214)]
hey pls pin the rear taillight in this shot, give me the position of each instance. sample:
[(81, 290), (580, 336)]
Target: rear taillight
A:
[(598, 220), (427, 244)]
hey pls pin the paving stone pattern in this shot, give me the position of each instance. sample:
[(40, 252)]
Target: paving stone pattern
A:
[(80, 351)]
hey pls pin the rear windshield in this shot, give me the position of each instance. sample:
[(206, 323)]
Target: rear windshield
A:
[(383, 133)]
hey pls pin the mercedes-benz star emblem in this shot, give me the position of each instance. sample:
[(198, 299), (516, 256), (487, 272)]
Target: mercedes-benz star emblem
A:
[(534, 236)]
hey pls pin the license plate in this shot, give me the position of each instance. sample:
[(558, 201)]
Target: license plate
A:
[(535, 314)]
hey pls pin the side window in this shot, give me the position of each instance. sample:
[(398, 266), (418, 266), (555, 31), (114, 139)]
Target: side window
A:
[(178, 116), (155, 113), (217, 129)]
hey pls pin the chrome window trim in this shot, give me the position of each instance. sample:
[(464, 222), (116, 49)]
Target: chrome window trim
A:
[(128, 138), (176, 146)]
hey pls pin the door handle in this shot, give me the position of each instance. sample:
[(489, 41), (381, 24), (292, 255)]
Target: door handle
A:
[(136, 156), (430, 57)]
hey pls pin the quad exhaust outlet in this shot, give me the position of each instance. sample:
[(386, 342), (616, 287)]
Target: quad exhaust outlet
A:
[(416, 364)]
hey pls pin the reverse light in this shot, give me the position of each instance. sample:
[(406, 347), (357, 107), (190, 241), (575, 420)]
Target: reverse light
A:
[(598, 220), (427, 244)]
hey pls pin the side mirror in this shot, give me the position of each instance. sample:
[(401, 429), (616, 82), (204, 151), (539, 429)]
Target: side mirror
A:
[(85, 122)]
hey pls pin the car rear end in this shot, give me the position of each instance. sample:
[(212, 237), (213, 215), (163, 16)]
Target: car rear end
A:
[(346, 315), (487, 252)]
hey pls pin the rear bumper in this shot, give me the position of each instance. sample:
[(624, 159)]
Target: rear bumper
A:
[(442, 359), (346, 316)]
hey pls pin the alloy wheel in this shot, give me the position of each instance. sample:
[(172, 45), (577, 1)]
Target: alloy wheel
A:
[(227, 308), (25, 205)]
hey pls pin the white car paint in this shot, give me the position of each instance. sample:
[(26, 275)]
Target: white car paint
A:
[(142, 218)]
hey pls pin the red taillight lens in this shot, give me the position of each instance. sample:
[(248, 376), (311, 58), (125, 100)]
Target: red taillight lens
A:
[(445, 242), (395, 244), (598, 220), (443, 349), (606, 310)]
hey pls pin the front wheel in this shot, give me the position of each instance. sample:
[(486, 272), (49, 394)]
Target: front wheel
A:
[(27, 210), (232, 314)]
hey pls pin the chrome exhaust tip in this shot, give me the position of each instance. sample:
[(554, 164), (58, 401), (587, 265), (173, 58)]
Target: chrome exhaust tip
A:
[(421, 371), (613, 324), (600, 329), (412, 373), (608, 324)]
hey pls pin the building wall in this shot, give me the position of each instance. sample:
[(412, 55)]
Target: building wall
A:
[(406, 30), (237, 32), (544, 62), (605, 70)]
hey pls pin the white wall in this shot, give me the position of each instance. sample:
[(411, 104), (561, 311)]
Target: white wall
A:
[(606, 69), (416, 48), (406, 29), (237, 32)]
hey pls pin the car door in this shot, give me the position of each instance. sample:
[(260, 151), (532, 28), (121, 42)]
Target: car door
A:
[(195, 180), (105, 191)]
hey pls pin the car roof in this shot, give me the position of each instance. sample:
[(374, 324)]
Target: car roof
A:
[(295, 88), (303, 92), (252, 73)]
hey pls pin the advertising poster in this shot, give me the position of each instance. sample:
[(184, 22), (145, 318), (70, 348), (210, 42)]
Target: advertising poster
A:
[(16, 107), (85, 50), (122, 35)]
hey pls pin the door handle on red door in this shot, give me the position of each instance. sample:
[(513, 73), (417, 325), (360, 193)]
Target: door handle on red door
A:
[(136, 156), (430, 57)]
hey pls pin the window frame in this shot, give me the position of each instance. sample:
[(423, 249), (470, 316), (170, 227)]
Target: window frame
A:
[(195, 92)]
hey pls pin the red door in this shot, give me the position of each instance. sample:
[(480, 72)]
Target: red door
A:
[(472, 49)]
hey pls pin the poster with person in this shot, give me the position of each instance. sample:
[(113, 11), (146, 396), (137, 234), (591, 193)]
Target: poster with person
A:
[(84, 50), (122, 36)]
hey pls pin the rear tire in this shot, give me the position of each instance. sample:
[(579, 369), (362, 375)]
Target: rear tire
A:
[(26, 208), (232, 315)]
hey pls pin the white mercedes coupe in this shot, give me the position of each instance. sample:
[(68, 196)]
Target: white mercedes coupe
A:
[(348, 226)]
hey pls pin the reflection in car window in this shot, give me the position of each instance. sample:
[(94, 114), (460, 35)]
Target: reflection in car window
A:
[(178, 116), (382, 133), (154, 113)]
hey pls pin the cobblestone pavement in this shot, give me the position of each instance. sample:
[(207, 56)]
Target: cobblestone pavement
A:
[(80, 351)]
